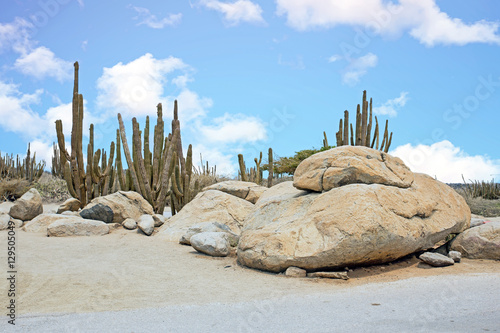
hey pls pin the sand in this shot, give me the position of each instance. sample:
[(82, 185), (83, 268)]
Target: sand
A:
[(127, 270)]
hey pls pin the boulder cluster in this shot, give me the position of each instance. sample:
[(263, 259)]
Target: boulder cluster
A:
[(348, 206)]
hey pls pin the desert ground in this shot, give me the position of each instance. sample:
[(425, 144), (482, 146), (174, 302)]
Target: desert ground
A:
[(126, 274)]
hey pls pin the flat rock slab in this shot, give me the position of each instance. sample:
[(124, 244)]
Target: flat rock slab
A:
[(77, 227), (244, 190), (481, 242), (351, 165), (436, 259), (41, 222), (329, 275)]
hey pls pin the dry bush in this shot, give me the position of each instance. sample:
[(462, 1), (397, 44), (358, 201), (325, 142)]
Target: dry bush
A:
[(13, 189), (52, 189)]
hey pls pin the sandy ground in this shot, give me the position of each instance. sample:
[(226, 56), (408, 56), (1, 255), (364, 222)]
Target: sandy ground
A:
[(127, 270)]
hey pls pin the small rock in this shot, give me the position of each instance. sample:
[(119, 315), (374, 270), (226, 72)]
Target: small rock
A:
[(71, 205), (4, 221), (436, 259), (209, 227), (77, 227), (114, 226), (215, 244), (295, 272), (130, 224), (28, 206), (329, 275), (455, 255), (146, 224), (98, 212), (159, 220), (17, 223), (475, 222)]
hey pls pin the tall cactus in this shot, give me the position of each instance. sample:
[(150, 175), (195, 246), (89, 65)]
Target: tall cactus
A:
[(363, 128)]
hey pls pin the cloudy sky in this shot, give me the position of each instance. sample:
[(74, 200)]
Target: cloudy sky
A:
[(250, 75)]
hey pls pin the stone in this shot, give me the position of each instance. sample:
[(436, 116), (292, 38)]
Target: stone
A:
[(124, 205), (159, 220), (208, 227), (4, 221), (70, 213), (244, 190), (329, 275), (482, 242), (75, 226), (207, 206), (295, 272), (28, 206), (98, 212), (41, 222), (215, 244), (114, 226), (436, 259), (351, 225), (351, 165), (17, 223), (72, 205), (129, 224), (455, 255), (146, 224), (475, 222)]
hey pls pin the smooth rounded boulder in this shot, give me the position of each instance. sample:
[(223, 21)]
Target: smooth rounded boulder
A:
[(28, 206), (349, 225), (481, 242), (351, 165)]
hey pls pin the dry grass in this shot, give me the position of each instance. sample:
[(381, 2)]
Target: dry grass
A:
[(13, 189), (52, 189)]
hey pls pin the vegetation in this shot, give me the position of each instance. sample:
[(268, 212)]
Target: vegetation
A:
[(160, 175), (482, 197), (287, 165), (27, 168), (362, 135)]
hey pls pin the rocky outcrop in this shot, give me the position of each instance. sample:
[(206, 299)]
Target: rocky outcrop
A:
[(207, 206), (244, 190), (71, 205), (376, 221), (124, 205), (481, 242), (28, 206), (350, 165), (75, 226)]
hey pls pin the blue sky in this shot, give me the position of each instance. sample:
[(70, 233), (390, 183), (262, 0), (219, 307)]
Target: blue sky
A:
[(250, 75)]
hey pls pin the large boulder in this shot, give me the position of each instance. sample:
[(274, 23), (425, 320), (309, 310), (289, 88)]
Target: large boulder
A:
[(350, 165), (77, 226), (207, 206), (28, 206), (124, 205), (351, 224), (244, 190), (482, 242), (41, 222)]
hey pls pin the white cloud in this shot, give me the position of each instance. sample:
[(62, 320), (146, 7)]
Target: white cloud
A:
[(422, 18), (297, 63), (390, 107), (334, 58), (41, 63), (234, 128), (16, 35), (358, 68), (145, 17), (135, 88), (446, 162), (225, 163), (85, 43), (15, 111), (236, 12)]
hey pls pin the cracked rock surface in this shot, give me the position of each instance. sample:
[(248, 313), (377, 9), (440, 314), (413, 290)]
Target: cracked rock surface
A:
[(363, 219)]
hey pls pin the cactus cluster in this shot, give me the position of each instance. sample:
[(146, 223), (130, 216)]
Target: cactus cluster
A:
[(19, 168), (254, 174), (361, 136), (160, 175)]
